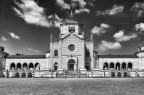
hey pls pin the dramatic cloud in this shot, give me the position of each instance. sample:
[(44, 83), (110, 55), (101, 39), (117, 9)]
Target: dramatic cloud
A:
[(62, 4), (55, 20), (122, 38), (139, 27), (138, 9), (82, 11), (82, 3), (4, 38), (100, 30), (105, 45), (32, 13), (114, 11), (33, 50), (14, 36)]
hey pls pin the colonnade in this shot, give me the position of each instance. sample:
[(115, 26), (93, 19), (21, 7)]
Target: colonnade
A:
[(25, 66), (117, 66)]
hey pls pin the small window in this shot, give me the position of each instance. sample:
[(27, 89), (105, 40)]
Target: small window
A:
[(56, 53), (71, 29), (87, 53)]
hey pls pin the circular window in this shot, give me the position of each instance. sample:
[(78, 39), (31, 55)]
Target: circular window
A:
[(71, 47)]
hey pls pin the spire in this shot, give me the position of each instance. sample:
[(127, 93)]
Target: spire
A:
[(91, 37), (51, 37), (71, 15)]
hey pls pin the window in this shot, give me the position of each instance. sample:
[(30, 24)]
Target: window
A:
[(71, 47), (71, 29), (56, 53)]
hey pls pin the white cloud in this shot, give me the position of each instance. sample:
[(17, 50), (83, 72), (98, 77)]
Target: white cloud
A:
[(114, 11), (62, 4), (14, 36), (4, 38), (55, 20), (138, 9), (100, 30), (82, 11), (82, 3), (122, 38), (33, 50), (139, 27), (32, 13), (105, 45)]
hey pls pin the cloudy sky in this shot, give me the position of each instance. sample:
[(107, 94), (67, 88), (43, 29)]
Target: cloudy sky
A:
[(26, 25)]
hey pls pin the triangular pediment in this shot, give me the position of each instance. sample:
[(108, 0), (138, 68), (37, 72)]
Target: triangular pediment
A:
[(72, 37)]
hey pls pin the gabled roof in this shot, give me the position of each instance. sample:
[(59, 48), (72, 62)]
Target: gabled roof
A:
[(26, 56), (70, 35), (117, 56), (69, 22)]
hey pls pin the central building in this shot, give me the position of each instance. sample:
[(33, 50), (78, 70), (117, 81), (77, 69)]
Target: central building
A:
[(71, 51)]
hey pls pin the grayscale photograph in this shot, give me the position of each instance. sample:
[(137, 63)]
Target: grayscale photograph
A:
[(72, 47)]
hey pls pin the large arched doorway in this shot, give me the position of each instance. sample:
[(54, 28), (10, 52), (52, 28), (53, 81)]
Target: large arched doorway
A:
[(125, 74), (55, 66), (23, 75), (112, 74), (71, 64), (119, 74), (29, 75), (17, 75)]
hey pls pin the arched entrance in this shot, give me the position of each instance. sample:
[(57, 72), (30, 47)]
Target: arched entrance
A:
[(119, 74), (112, 74), (125, 74), (17, 75), (71, 64), (55, 66), (29, 75), (23, 75)]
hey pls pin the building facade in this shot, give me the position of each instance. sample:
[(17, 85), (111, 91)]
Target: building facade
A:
[(72, 55)]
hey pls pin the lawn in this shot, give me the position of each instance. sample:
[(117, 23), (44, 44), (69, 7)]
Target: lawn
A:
[(75, 86)]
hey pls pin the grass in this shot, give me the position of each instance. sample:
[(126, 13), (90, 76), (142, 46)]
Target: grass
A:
[(92, 86)]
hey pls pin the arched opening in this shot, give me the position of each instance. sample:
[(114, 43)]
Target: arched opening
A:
[(117, 66), (123, 66), (23, 75), (105, 66), (112, 74), (125, 74), (12, 66), (25, 67), (129, 66), (37, 66), (87, 66), (119, 74), (30, 75), (17, 75), (71, 63), (111, 66), (19, 66), (55, 66), (31, 66), (87, 53), (56, 53)]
